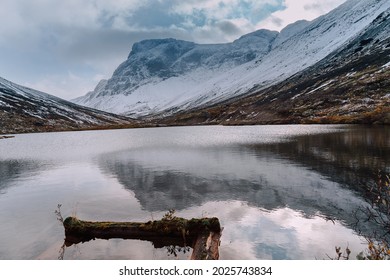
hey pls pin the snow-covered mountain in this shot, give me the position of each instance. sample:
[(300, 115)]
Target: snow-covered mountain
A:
[(26, 110), (350, 85), (157, 72), (170, 76)]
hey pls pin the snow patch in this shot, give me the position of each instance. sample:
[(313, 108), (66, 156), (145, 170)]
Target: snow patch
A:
[(321, 86), (314, 90), (3, 104), (351, 74), (387, 65)]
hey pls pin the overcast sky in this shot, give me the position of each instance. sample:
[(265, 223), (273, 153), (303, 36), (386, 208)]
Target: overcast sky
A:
[(64, 47)]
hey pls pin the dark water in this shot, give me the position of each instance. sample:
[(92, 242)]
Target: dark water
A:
[(280, 192)]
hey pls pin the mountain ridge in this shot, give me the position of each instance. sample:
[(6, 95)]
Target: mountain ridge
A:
[(23, 109), (153, 61), (217, 73), (350, 85), (334, 69)]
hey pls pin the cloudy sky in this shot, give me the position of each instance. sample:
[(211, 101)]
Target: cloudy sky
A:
[(64, 47)]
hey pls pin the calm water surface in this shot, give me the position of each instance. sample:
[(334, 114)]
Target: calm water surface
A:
[(280, 192)]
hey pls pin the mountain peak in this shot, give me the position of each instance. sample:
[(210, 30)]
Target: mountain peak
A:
[(169, 75), (261, 33), (150, 44)]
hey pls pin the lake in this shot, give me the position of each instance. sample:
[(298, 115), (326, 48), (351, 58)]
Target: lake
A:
[(280, 192)]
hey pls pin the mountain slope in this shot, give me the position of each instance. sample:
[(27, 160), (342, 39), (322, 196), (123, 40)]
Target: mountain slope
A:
[(170, 76), (26, 110), (350, 85), (158, 72)]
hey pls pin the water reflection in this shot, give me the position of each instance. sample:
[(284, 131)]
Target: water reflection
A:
[(319, 175), (352, 157), (11, 170), (276, 190), (173, 248), (260, 180), (116, 249)]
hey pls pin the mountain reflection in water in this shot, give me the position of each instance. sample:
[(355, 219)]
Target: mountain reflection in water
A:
[(320, 174), (280, 192)]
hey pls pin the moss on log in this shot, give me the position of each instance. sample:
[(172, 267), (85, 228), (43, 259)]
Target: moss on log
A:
[(166, 232)]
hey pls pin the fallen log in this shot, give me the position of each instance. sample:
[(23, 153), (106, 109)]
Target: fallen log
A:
[(206, 246), (176, 231)]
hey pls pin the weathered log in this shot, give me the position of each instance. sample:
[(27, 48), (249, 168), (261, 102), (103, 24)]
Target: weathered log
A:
[(166, 232), (206, 246)]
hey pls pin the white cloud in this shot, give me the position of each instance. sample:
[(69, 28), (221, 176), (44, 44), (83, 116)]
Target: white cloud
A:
[(219, 8), (294, 11), (69, 85)]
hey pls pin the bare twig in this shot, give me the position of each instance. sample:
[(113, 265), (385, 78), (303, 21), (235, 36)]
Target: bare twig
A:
[(58, 214)]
